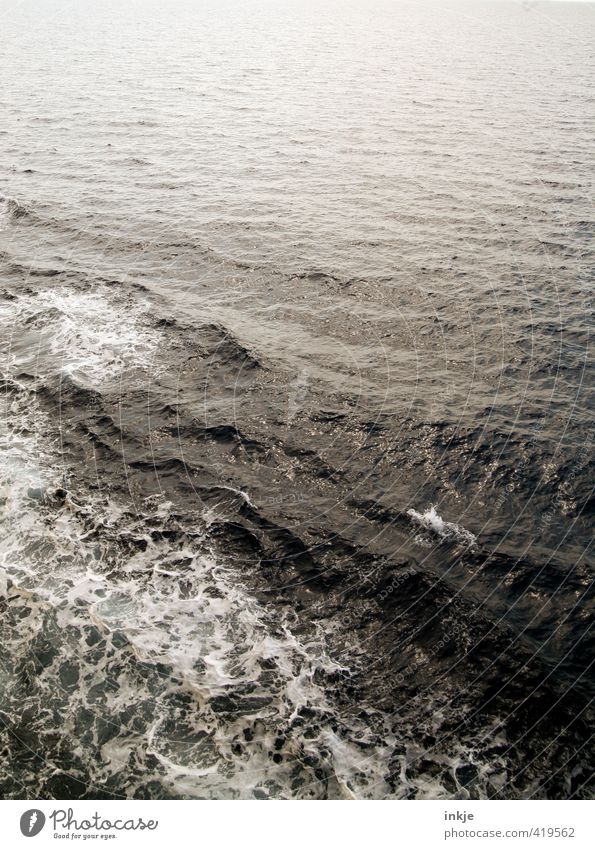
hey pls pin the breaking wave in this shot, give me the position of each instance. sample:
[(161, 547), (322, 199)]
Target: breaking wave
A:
[(431, 521)]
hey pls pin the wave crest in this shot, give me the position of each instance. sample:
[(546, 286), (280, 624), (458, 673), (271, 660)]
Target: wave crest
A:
[(431, 521)]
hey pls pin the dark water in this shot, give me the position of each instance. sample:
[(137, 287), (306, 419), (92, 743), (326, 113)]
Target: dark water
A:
[(295, 445)]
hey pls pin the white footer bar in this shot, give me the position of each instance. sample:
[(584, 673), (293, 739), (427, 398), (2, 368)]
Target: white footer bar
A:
[(299, 825)]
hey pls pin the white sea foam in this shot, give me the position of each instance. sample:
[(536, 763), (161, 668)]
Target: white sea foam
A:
[(177, 606), (431, 521), (87, 335)]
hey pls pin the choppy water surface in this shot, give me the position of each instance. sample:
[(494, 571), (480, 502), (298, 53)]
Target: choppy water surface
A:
[(295, 445)]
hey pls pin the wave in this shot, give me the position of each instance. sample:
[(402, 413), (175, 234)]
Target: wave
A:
[(88, 334), (140, 595), (431, 521), (11, 210)]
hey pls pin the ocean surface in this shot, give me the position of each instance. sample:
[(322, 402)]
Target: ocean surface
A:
[(295, 443)]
